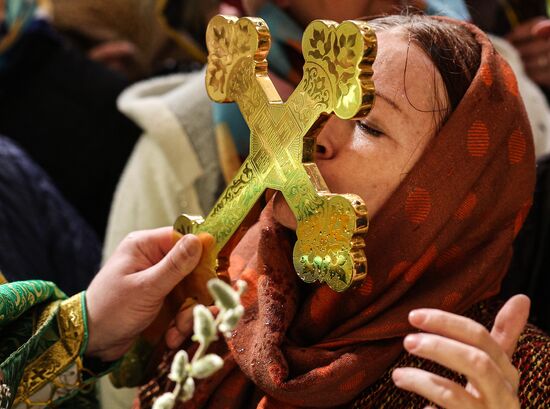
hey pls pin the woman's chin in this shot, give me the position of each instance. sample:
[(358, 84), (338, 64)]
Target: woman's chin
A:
[(282, 213)]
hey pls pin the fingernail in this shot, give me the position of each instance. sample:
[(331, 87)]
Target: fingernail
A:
[(417, 317), (173, 338), (411, 342), (396, 376), (190, 244)]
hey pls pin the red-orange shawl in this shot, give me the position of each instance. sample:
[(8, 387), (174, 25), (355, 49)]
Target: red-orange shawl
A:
[(443, 240)]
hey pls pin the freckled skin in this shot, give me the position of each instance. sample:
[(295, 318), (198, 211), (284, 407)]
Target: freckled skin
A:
[(351, 158)]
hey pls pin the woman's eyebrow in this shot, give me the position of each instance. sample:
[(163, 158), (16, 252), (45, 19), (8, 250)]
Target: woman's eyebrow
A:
[(389, 101)]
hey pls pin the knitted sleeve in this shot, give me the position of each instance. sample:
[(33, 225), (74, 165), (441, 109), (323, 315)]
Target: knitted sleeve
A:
[(532, 358)]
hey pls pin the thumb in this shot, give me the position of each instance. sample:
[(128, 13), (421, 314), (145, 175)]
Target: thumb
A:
[(510, 322), (176, 265)]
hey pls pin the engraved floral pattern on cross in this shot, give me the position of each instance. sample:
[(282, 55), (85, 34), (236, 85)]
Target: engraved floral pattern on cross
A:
[(336, 50)]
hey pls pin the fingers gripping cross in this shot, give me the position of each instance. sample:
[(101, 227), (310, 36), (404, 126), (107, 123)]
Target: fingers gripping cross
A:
[(337, 79)]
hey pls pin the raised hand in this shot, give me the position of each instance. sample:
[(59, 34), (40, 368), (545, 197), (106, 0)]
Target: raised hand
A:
[(465, 346)]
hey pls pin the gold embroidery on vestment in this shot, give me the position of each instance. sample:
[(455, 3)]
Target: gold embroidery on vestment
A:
[(58, 357)]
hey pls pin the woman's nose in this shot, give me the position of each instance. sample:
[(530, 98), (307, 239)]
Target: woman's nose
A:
[(331, 137)]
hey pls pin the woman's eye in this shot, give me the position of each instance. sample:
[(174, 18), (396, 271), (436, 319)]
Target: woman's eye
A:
[(367, 129)]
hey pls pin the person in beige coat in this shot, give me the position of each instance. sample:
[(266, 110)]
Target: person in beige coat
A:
[(174, 167)]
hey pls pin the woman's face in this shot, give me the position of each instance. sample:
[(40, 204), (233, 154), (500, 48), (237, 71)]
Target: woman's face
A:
[(371, 157)]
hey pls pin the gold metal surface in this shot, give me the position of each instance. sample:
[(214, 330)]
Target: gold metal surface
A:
[(337, 80)]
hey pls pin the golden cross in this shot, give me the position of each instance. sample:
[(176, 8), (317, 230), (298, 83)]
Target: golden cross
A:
[(337, 79)]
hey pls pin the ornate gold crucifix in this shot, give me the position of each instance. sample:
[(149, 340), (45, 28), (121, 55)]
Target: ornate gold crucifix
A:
[(337, 79)]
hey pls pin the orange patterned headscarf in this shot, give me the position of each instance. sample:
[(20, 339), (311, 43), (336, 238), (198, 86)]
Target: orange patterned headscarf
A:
[(443, 240)]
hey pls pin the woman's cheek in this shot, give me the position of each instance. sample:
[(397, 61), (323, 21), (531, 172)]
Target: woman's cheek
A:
[(282, 213)]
